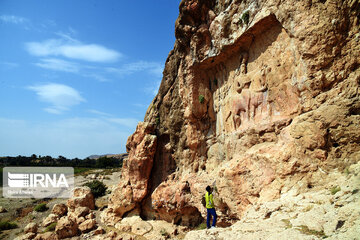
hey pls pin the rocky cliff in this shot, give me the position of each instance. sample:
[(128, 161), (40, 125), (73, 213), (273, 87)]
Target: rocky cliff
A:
[(258, 98)]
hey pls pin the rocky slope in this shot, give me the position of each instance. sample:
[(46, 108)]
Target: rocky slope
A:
[(256, 97)]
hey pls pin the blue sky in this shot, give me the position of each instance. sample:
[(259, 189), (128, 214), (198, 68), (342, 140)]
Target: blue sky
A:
[(77, 76)]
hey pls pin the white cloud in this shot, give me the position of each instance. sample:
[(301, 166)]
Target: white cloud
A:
[(127, 122), (58, 65), (154, 68), (99, 113), (59, 96), (13, 19), (74, 137), (72, 49)]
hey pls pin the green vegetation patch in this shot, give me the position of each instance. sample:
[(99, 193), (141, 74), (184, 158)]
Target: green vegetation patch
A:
[(6, 225), (201, 99), (97, 188), (305, 230), (201, 226), (287, 223), (157, 120), (334, 190), (81, 170), (50, 228), (41, 207), (245, 17)]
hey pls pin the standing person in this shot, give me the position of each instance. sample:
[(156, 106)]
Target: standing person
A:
[(209, 199)]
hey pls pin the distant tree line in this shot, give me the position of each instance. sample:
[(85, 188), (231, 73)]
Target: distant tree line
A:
[(33, 160)]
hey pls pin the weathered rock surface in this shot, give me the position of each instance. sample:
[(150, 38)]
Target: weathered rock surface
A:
[(31, 228), (320, 212), (59, 209), (47, 236), (87, 225), (74, 218), (82, 197), (136, 171), (66, 227), (26, 236), (52, 218), (255, 98)]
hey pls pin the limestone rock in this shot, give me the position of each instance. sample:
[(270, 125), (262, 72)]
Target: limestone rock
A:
[(59, 209), (82, 197), (259, 100), (47, 236), (52, 218), (87, 225), (135, 225), (31, 228), (99, 231), (66, 227), (26, 236), (136, 170), (81, 211)]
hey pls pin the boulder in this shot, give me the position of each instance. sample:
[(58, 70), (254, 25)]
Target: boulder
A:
[(47, 236), (59, 209), (87, 225), (31, 228), (82, 197), (66, 227), (26, 236), (81, 211), (50, 219)]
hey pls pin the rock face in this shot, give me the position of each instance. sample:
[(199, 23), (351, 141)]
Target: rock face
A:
[(134, 185), (317, 214), (255, 96)]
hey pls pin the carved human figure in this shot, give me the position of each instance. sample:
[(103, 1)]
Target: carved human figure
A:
[(243, 60)]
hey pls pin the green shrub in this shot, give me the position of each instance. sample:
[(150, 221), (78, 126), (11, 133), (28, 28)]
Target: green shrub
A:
[(201, 98), (334, 190), (50, 228), (287, 223), (245, 17), (41, 207), (97, 188), (201, 226), (6, 225), (157, 120)]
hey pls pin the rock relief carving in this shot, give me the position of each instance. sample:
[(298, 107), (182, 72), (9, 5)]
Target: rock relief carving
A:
[(250, 98)]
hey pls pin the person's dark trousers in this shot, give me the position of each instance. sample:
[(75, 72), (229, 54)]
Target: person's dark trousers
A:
[(211, 211)]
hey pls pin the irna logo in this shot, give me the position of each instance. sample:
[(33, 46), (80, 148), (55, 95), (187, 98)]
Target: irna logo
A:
[(38, 182)]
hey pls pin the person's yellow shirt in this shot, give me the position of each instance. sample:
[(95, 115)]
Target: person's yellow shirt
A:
[(209, 200)]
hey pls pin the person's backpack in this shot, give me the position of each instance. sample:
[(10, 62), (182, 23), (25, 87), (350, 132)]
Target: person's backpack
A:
[(203, 201)]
